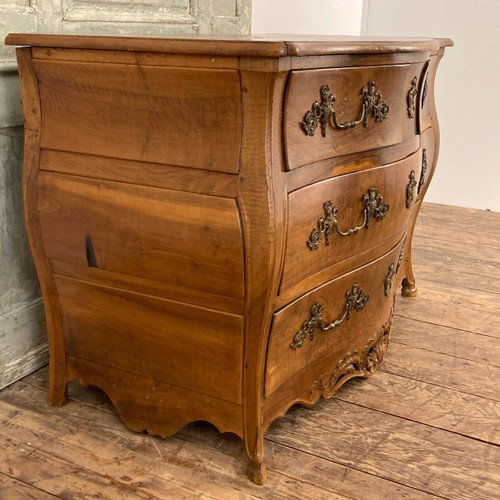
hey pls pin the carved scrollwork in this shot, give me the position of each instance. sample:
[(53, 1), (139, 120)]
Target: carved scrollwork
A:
[(410, 189), (421, 183), (412, 98), (322, 112), (354, 364), (375, 208), (356, 300)]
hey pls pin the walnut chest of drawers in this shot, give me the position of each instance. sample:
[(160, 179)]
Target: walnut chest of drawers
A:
[(220, 225)]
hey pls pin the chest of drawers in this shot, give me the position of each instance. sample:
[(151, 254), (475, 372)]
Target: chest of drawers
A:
[(220, 225)]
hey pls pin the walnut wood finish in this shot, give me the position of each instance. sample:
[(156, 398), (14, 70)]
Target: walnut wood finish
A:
[(346, 192), (169, 220), (88, 108), (156, 234), (393, 82), (297, 366)]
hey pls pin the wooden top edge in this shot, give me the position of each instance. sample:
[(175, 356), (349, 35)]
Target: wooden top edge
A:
[(234, 45), (445, 42)]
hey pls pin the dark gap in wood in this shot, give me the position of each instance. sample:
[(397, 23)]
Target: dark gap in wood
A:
[(28, 485), (91, 260)]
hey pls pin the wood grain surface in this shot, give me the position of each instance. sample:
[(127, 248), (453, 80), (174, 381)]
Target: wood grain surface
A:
[(393, 82), (146, 113), (139, 334), (347, 193), (284, 364), (236, 45), (162, 235)]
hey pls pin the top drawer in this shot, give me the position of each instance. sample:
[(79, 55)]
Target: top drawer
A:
[(176, 116), (335, 112)]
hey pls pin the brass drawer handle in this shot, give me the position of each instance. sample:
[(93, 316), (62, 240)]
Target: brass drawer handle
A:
[(412, 98), (421, 183), (375, 207), (393, 270), (356, 300), (410, 189), (373, 104)]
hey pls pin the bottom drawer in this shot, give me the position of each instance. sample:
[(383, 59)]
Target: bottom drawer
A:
[(195, 348), (321, 328)]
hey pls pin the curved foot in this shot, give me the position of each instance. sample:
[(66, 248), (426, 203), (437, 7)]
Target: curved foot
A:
[(257, 472), (58, 386), (58, 396), (408, 288)]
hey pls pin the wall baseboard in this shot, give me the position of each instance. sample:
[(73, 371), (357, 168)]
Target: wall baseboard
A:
[(23, 341)]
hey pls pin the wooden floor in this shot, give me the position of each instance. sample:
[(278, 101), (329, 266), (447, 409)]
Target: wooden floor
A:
[(426, 425)]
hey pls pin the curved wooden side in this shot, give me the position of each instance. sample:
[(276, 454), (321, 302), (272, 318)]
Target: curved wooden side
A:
[(409, 288), (262, 203), (32, 130), (162, 409)]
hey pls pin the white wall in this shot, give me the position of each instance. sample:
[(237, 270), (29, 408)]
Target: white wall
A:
[(320, 17), (468, 171)]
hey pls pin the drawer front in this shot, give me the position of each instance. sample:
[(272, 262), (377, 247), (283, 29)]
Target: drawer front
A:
[(180, 238), (367, 207), (191, 347), (358, 109), (330, 321), (175, 116)]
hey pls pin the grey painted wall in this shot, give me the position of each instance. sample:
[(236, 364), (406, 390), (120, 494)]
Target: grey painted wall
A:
[(23, 342)]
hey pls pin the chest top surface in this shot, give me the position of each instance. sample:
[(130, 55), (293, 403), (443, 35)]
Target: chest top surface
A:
[(236, 45)]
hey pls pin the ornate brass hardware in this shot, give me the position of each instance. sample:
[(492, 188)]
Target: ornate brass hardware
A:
[(389, 278), (412, 98), (410, 189), (322, 112), (356, 300), (425, 90), (393, 270), (375, 207), (354, 364), (424, 170)]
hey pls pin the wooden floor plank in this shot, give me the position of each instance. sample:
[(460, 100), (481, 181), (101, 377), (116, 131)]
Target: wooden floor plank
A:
[(470, 236), (171, 459), (455, 248), (65, 444), (468, 216), (473, 311), (288, 468), (12, 489), (456, 272), (446, 340), (426, 458), (428, 404), (443, 370), (59, 477), (422, 255)]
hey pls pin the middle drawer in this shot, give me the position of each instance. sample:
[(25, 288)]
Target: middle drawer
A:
[(346, 216)]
